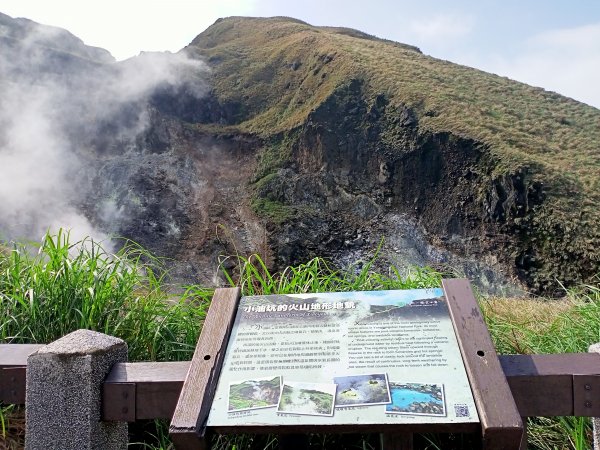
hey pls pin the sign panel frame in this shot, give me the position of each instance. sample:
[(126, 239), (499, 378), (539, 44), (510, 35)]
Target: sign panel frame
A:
[(500, 425)]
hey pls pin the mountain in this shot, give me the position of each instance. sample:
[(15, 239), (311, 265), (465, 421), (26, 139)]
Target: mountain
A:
[(278, 137), (357, 128), (19, 36)]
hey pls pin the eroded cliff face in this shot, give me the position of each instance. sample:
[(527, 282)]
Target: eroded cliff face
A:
[(359, 171), (357, 175), (180, 193)]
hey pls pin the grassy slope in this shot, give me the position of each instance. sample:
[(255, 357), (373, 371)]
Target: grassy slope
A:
[(252, 61), (278, 70)]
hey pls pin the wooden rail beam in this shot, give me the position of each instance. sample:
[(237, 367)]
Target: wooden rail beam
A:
[(13, 363), (546, 385), (156, 389), (542, 385)]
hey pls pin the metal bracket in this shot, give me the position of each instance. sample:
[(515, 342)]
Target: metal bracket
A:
[(586, 395), (118, 402)]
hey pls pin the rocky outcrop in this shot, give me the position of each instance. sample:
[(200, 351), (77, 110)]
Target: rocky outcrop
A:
[(359, 172), (182, 194)]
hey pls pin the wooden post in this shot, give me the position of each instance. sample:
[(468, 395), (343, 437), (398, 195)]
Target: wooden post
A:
[(396, 441), (293, 441), (188, 426), (501, 423)]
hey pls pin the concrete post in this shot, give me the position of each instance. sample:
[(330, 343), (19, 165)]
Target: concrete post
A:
[(63, 396), (595, 348)]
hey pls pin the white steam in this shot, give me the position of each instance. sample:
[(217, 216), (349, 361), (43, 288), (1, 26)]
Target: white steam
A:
[(34, 166), (53, 105)]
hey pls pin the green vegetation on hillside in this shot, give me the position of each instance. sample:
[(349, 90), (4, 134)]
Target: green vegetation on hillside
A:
[(281, 70), (277, 72)]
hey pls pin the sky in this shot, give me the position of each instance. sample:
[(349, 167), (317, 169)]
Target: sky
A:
[(547, 43)]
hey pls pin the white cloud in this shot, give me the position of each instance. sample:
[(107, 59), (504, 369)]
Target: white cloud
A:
[(127, 27), (579, 39), (440, 28), (562, 60)]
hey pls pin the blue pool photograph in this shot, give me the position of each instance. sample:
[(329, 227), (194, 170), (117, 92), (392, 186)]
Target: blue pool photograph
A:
[(417, 399)]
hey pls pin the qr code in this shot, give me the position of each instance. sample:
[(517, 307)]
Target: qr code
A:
[(461, 410)]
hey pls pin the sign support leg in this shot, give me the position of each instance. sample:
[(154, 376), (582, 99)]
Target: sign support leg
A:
[(501, 423), (293, 442), (524, 437), (396, 441)]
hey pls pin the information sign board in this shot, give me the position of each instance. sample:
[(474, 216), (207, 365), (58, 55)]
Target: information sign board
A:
[(376, 357)]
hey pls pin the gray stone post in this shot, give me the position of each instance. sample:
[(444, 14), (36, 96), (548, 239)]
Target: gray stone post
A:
[(595, 348), (63, 396)]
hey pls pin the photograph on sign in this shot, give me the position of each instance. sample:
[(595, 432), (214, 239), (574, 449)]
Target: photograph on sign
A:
[(371, 357), (417, 399), (254, 394), (313, 399), (362, 390)]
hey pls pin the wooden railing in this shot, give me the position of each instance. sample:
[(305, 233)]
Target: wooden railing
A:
[(542, 385)]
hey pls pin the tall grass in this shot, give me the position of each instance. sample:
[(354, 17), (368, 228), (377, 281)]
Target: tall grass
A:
[(52, 288), (548, 326), (317, 275)]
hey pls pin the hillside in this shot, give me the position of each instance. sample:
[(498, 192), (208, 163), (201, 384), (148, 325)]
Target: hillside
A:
[(275, 137), (499, 168)]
